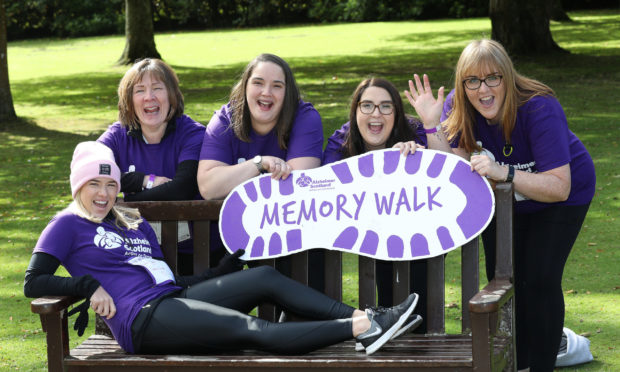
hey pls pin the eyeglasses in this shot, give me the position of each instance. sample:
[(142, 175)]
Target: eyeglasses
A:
[(474, 83), (368, 107)]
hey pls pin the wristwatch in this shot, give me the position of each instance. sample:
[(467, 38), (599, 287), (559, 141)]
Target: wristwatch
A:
[(258, 161)]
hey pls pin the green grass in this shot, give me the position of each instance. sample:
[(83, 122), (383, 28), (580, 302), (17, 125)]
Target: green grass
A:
[(65, 92)]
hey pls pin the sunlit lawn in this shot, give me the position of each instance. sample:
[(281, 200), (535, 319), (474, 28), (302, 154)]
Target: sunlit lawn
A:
[(65, 92)]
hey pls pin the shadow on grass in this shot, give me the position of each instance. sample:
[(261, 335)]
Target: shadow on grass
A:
[(34, 175)]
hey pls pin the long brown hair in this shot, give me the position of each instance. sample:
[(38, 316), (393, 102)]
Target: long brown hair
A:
[(241, 122), (402, 131), (519, 89), (157, 69)]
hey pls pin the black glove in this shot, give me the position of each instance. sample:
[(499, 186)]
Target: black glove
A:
[(228, 264), (81, 322)]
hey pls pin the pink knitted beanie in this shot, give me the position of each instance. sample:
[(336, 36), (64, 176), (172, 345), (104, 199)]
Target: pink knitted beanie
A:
[(92, 160)]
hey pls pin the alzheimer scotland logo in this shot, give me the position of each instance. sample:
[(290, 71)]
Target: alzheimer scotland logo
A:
[(107, 239), (303, 180)]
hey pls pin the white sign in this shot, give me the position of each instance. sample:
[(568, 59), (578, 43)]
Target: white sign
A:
[(379, 204)]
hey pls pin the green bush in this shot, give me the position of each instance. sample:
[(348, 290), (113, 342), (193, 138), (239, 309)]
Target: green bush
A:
[(72, 18), (64, 18)]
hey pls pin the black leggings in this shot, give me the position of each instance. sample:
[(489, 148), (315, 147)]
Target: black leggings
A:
[(212, 315), (542, 243)]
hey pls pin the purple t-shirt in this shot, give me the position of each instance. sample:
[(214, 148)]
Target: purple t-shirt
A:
[(162, 159), (102, 250), (333, 149), (221, 144), (541, 141)]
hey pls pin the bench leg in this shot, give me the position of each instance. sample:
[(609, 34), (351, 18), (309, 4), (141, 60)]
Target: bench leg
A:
[(57, 339)]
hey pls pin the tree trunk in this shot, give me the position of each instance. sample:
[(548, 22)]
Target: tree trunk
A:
[(140, 38), (522, 26), (556, 11), (7, 111)]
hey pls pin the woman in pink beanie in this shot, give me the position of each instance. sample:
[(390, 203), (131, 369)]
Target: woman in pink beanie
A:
[(116, 263)]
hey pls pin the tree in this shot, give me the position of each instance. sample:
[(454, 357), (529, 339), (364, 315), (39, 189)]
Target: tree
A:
[(7, 111), (522, 26), (556, 11), (139, 35)]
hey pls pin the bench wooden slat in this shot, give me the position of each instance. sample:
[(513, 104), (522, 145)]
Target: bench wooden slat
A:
[(469, 269), (367, 275), (169, 234), (401, 275), (333, 274), (202, 250), (436, 295), (404, 352)]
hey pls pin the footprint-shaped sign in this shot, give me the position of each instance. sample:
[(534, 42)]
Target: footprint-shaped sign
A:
[(379, 204)]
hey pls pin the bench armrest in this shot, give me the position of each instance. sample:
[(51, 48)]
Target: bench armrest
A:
[(52, 304), (492, 297)]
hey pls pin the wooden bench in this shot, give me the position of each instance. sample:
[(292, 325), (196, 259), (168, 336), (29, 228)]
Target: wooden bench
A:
[(486, 342)]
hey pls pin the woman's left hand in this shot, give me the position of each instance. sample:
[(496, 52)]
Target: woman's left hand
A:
[(488, 168), (408, 147), (420, 96)]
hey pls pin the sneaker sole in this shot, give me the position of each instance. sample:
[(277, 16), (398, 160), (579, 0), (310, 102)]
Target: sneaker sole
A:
[(358, 205), (407, 327), (387, 335)]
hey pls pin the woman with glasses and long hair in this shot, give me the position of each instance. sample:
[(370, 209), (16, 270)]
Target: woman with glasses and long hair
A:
[(377, 120), (513, 129)]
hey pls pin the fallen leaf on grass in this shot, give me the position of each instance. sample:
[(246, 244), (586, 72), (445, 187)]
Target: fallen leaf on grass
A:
[(452, 305), (586, 334), (591, 244)]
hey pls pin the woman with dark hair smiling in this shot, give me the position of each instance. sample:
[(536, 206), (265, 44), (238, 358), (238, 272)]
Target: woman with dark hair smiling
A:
[(377, 120), (265, 128)]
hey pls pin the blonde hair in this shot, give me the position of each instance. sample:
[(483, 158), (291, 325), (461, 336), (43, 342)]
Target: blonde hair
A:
[(477, 56), (157, 69), (124, 217)]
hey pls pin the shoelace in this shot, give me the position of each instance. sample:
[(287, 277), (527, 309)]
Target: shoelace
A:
[(379, 309)]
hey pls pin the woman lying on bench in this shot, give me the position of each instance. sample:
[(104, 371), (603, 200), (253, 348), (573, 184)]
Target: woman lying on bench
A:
[(117, 265)]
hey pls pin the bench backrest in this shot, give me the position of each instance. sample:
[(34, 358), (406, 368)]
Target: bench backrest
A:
[(202, 213)]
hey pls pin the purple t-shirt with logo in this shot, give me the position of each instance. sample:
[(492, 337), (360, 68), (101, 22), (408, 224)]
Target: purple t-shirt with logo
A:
[(333, 149), (541, 141), (162, 159), (102, 250), (221, 144)]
